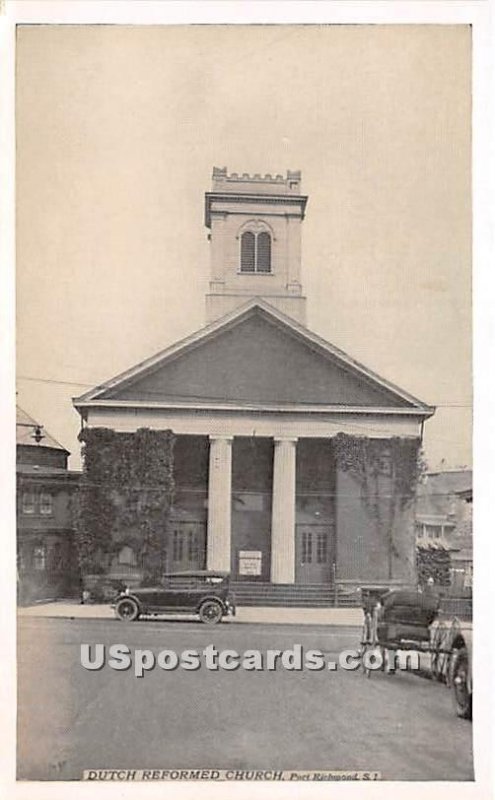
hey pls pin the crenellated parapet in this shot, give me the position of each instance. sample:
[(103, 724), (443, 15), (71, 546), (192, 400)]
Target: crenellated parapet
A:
[(256, 183)]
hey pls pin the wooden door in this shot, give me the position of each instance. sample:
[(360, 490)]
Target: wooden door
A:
[(314, 553)]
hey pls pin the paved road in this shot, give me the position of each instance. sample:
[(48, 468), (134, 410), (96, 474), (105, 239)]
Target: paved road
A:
[(72, 719)]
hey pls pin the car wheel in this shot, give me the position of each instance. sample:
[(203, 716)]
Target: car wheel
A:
[(127, 609), (211, 612), (438, 659), (461, 695), (389, 661)]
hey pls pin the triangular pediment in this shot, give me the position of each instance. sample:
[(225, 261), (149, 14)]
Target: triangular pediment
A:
[(255, 356)]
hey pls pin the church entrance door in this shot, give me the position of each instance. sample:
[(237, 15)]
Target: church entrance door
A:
[(314, 553)]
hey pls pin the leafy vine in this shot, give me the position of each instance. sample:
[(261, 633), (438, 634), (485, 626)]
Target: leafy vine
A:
[(398, 461), (124, 496)]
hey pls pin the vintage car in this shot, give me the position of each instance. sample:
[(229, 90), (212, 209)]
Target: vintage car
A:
[(202, 592), (452, 661), (402, 619)]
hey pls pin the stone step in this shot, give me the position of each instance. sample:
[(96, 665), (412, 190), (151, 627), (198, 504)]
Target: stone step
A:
[(274, 587), (292, 595)]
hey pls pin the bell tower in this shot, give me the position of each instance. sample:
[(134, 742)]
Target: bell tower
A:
[(255, 241)]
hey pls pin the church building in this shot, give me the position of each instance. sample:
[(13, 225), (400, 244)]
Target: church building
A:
[(270, 421)]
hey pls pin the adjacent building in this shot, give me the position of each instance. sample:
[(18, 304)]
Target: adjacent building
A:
[(444, 519), (257, 402), (46, 556)]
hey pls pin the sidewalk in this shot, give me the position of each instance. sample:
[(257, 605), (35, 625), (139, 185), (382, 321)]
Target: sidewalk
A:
[(286, 616)]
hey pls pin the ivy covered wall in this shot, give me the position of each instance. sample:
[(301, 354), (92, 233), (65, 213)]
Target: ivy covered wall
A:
[(376, 487), (124, 497)]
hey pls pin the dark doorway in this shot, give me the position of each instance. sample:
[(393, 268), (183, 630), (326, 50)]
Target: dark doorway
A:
[(186, 529), (252, 479)]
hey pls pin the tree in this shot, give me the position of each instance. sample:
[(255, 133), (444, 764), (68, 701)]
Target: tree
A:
[(433, 561)]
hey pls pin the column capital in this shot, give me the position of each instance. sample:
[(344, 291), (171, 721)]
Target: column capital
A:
[(214, 437), (284, 439)]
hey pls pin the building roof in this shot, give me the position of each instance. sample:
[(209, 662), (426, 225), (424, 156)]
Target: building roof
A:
[(25, 426), (436, 503), (326, 376), (42, 471), (448, 482)]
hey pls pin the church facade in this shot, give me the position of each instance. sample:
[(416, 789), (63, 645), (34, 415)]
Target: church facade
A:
[(261, 407)]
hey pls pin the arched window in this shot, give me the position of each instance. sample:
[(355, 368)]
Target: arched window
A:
[(256, 252), (248, 252), (264, 252)]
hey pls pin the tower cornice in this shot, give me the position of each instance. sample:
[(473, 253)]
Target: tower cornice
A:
[(298, 201)]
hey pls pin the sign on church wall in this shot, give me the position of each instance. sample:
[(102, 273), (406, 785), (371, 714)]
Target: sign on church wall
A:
[(250, 562)]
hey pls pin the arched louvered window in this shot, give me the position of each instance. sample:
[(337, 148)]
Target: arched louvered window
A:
[(248, 252), (256, 252), (264, 252)]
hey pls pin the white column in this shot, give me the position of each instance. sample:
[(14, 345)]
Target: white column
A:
[(219, 503), (284, 511)]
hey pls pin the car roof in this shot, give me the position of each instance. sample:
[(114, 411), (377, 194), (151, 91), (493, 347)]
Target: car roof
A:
[(198, 573)]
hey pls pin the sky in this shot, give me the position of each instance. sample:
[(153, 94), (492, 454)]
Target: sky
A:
[(118, 129)]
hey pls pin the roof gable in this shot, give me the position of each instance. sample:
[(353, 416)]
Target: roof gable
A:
[(255, 355), (25, 426)]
